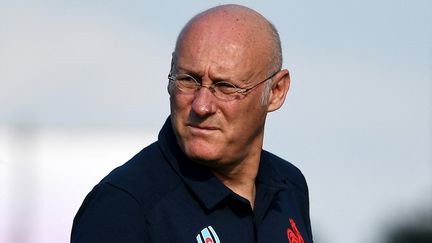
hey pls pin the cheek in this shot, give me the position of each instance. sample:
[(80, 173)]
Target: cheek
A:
[(247, 121), (179, 105), (180, 110)]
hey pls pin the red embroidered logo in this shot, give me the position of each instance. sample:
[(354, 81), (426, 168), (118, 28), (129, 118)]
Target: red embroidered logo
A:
[(293, 234)]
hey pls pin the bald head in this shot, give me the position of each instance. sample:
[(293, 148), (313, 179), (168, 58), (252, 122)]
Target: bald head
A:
[(235, 25)]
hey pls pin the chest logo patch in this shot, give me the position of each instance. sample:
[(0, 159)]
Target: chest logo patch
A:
[(293, 233), (207, 235)]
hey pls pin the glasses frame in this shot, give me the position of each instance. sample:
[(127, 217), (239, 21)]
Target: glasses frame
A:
[(212, 87)]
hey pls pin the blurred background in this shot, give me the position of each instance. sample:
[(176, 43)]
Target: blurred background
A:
[(83, 89)]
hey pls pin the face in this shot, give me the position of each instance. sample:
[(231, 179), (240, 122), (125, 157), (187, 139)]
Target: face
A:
[(212, 131)]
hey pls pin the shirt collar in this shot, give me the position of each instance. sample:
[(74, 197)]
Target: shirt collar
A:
[(268, 175)]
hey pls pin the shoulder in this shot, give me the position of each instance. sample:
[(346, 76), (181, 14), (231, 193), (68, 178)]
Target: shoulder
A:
[(146, 177), (116, 209)]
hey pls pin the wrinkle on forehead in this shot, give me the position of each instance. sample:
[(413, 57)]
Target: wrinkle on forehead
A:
[(224, 62)]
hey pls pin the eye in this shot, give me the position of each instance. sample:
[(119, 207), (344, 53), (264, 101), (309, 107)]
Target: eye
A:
[(186, 81), (225, 87), (185, 78)]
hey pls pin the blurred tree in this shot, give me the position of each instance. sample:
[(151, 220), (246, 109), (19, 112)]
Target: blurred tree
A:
[(410, 235), (415, 230)]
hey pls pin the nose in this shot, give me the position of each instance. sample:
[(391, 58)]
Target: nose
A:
[(204, 104)]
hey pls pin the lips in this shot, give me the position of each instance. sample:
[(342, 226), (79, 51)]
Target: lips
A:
[(202, 128)]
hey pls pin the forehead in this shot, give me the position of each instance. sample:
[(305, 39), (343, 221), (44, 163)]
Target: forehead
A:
[(221, 47), (207, 58)]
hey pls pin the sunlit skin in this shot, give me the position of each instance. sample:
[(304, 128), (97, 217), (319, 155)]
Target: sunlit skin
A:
[(226, 136)]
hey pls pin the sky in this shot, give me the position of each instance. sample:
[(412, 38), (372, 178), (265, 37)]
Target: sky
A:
[(357, 120)]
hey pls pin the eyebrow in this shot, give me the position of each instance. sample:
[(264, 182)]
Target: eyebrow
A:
[(187, 71)]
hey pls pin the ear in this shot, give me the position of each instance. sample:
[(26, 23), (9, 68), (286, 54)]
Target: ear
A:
[(280, 86)]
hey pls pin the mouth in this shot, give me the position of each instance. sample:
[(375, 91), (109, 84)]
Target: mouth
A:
[(202, 128)]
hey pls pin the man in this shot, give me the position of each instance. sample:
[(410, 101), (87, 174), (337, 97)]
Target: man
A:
[(207, 178)]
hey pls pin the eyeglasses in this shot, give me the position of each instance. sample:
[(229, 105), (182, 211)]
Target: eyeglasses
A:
[(223, 90)]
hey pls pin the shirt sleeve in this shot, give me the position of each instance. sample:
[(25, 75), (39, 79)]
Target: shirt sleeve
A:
[(109, 214)]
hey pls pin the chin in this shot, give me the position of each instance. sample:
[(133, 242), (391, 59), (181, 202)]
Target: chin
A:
[(202, 154)]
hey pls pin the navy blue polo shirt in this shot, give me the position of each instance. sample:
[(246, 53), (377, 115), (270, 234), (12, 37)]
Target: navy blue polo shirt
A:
[(161, 196)]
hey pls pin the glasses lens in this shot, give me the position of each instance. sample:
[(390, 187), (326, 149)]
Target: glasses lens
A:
[(225, 91), (186, 83)]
